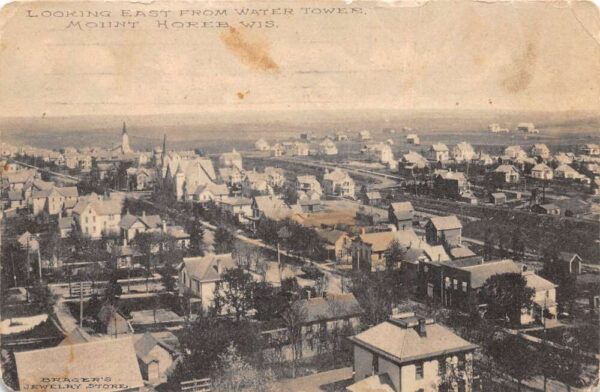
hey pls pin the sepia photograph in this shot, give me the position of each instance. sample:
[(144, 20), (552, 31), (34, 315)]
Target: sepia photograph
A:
[(300, 196)]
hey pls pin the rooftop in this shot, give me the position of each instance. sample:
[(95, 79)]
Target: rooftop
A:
[(95, 359), (401, 342)]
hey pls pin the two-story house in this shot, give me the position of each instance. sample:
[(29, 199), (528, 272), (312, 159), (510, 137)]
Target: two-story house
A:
[(93, 217), (408, 353), (210, 192), (54, 201), (541, 171), (337, 244), (238, 207), (131, 225), (309, 185), (200, 277), (339, 183), (438, 152), (505, 174), (369, 249), (444, 228), (401, 215)]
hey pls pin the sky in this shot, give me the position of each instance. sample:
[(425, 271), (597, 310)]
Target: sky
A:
[(476, 55)]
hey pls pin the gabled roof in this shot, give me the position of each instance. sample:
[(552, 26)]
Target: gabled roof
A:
[(336, 175), (16, 196), (568, 256), (445, 222), (381, 241), (144, 345), (114, 358), (538, 283), (273, 207), (439, 147), (506, 169), (404, 344), (332, 307), (375, 383), (481, 272), (373, 195), (205, 268), (402, 206), (102, 207), (331, 236), (68, 191), (541, 167), (76, 336), (215, 189)]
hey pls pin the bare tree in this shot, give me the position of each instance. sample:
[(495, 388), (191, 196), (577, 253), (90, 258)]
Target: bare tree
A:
[(294, 317)]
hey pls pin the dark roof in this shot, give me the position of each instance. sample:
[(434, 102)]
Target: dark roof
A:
[(332, 307)]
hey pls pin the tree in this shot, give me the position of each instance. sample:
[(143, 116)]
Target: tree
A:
[(290, 196), (294, 317), (570, 363), (235, 292), (506, 295), (42, 297), (234, 374), (224, 240), (147, 244), (374, 295), (266, 230), (517, 245), (113, 289), (515, 357), (394, 255), (205, 339), (167, 279), (196, 231), (268, 302), (488, 245)]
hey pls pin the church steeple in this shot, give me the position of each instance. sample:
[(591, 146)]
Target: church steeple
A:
[(125, 148)]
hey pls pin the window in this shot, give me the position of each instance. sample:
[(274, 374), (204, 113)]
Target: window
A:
[(464, 287), (425, 268), (455, 284), (419, 371), (447, 282), (375, 365), (441, 366)]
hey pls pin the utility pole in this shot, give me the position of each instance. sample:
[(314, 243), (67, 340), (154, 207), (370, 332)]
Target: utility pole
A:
[(81, 304)]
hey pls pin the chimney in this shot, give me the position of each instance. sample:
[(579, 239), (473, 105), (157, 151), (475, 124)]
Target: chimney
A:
[(164, 226), (144, 213), (422, 329), (124, 241)]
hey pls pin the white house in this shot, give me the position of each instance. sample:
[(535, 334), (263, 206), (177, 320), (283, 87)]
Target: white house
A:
[(408, 353), (275, 176), (438, 152), (200, 276), (413, 160), (540, 150), (527, 128), (542, 171), (230, 159), (364, 135), (507, 173), (210, 192), (495, 128), (379, 152), (309, 185), (54, 200), (568, 173), (327, 147), (298, 149), (515, 152), (262, 145), (463, 152), (338, 182), (93, 217), (413, 138)]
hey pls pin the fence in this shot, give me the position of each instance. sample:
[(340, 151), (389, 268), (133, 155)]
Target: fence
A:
[(197, 385)]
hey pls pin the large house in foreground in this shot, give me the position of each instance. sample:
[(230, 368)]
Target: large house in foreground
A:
[(408, 353)]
